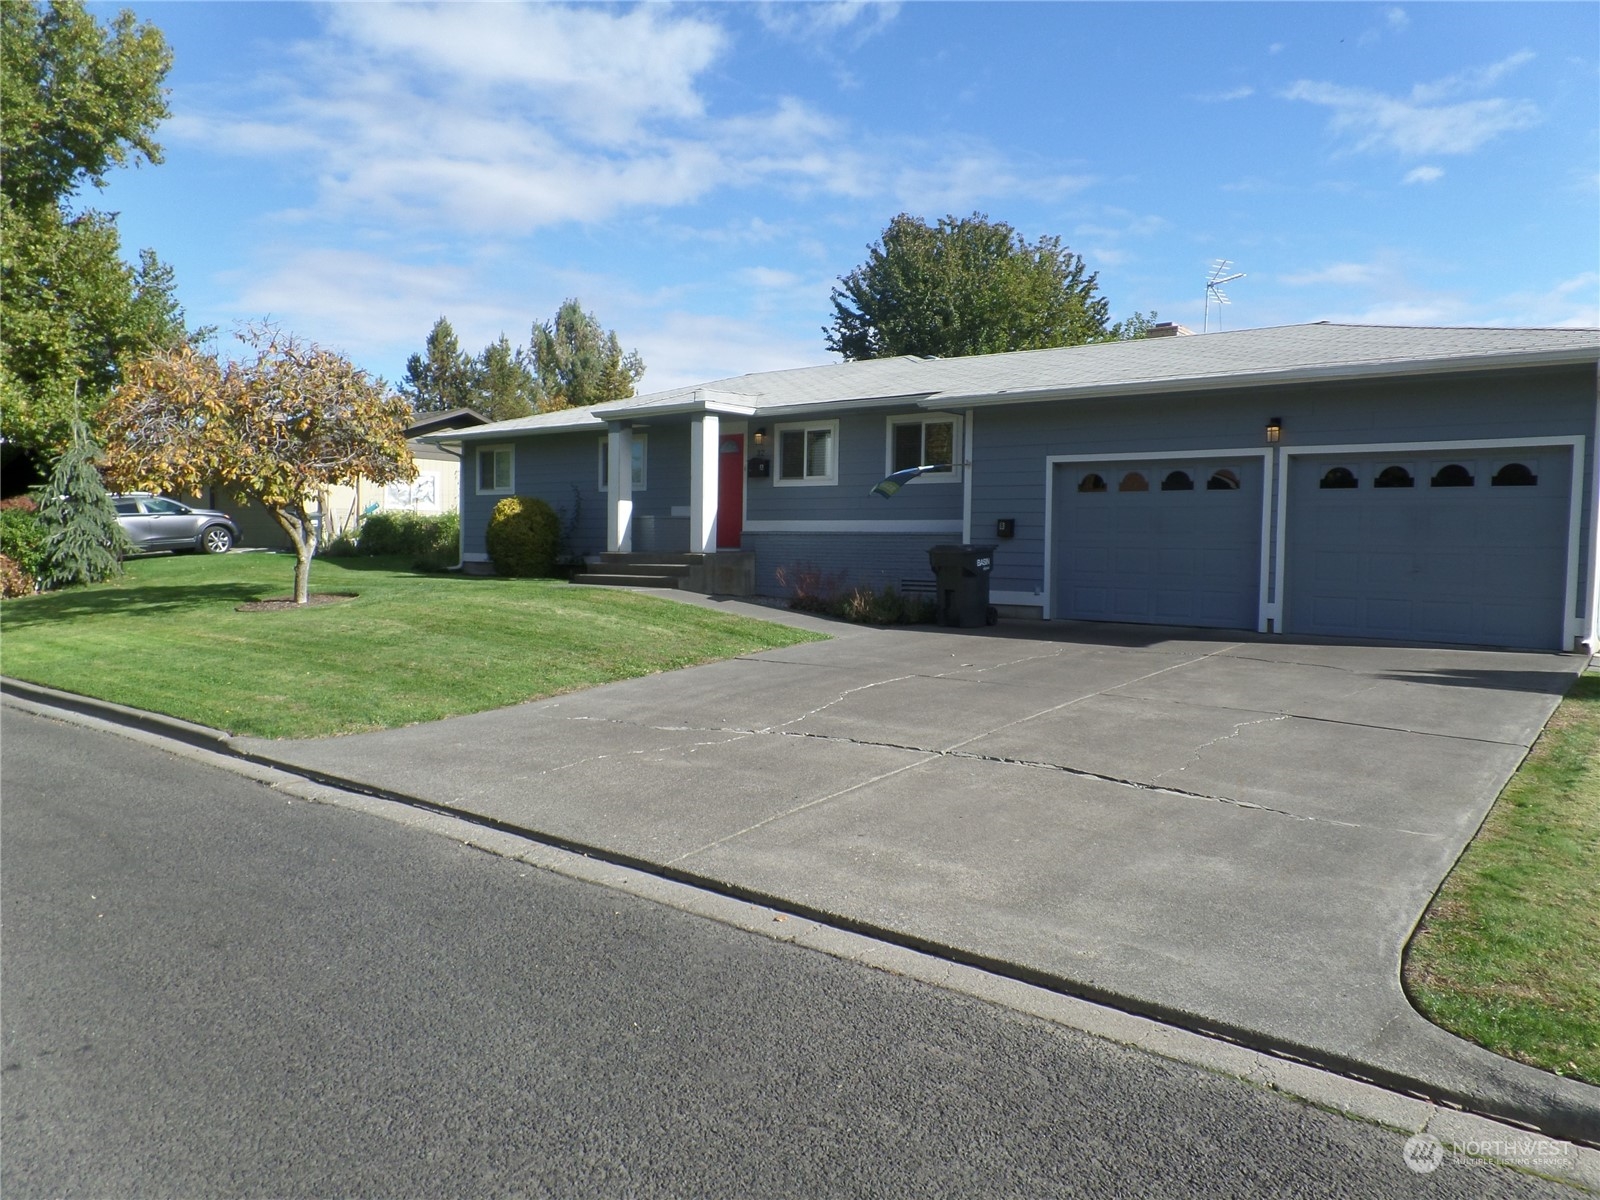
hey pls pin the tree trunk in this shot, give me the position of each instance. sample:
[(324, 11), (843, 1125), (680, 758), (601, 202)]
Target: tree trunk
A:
[(297, 524), (302, 572)]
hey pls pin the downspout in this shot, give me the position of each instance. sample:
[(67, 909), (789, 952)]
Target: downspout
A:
[(1592, 641), (966, 479)]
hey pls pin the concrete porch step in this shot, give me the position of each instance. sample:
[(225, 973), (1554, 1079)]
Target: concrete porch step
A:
[(626, 579)]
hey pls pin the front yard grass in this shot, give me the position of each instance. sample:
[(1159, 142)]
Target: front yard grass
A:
[(166, 637), (1508, 954)]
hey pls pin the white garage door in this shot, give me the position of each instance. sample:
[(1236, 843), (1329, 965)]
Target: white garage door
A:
[(1438, 547), (1168, 542)]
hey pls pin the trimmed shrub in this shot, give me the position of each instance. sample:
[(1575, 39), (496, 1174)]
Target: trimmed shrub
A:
[(14, 581), (523, 536), (343, 546), (432, 541), (22, 535)]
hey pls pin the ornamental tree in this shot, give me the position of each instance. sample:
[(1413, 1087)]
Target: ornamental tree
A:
[(278, 426)]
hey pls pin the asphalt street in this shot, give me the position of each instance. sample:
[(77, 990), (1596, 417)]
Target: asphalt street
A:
[(213, 989)]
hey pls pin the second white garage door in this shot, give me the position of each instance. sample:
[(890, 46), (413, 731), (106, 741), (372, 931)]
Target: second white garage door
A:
[(1156, 541)]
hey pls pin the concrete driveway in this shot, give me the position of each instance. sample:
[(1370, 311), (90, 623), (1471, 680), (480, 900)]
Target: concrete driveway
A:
[(1235, 833)]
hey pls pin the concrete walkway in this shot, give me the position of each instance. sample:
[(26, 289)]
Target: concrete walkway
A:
[(1238, 835)]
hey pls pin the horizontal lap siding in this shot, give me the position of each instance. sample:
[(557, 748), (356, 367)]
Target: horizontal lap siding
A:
[(1010, 445), (840, 561), (562, 470), (861, 447)]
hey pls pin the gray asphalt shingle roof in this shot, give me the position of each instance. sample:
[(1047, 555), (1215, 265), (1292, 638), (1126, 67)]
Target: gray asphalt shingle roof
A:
[(1240, 358)]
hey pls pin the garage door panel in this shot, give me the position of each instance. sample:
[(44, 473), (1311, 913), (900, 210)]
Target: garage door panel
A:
[(1481, 565), (1179, 557)]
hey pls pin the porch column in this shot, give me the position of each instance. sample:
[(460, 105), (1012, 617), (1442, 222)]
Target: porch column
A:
[(704, 438), (619, 487)]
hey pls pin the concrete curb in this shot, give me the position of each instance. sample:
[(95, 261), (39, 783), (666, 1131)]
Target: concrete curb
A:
[(1318, 1077)]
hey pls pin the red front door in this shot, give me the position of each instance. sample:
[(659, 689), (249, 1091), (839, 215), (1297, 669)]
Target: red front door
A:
[(730, 490)]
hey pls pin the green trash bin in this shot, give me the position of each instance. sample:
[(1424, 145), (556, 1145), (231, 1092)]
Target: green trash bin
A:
[(961, 575)]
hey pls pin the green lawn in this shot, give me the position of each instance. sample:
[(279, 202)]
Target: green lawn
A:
[(166, 637), (1508, 955)]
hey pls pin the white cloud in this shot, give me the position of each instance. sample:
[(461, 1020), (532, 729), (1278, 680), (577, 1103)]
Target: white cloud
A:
[(1396, 19), (822, 23), (1243, 92), (372, 306), (1424, 175), (1421, 123), (484, 119), (1346, 274), (691, 348)]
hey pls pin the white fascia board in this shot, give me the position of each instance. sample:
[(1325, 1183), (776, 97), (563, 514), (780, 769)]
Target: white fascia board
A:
[(1334, 373), (831, 408), (703, 400)]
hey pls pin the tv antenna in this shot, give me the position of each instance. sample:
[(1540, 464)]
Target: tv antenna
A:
[(1214, 292)]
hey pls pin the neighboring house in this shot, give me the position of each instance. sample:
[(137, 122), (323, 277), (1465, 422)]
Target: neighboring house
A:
[(1375, 482), (436, 489)]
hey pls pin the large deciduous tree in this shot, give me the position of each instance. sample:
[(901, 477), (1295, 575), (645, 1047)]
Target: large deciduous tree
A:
[(967, 285), (279, 426), (76, 99), (577, 362)]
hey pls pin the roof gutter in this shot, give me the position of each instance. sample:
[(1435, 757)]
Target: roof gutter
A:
[(702, 400), (1273, 378)]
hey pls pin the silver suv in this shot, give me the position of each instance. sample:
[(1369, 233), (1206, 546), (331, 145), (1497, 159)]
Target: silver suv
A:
[(157, 523)]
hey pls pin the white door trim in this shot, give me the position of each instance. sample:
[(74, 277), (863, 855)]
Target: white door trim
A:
[(1052, 461), (1574, 628)]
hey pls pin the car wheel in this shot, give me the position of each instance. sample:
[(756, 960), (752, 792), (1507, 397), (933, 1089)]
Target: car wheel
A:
[(216, 540)]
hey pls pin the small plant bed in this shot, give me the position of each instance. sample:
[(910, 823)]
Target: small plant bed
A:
[(167, 637), (813, 590), (1506, 954)]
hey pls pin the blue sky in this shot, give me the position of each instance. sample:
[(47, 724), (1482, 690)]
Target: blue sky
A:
[(699, 176)]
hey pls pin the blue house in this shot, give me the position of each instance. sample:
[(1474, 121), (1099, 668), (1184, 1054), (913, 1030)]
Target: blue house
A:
[(1432, 484)]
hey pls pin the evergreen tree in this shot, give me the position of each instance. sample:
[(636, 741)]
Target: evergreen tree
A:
[(84, 543), (577, 362), (443, 377), (506, 388)]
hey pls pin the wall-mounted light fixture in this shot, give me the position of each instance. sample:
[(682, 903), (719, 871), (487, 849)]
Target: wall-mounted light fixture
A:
[(761, 435), (1274, 430)]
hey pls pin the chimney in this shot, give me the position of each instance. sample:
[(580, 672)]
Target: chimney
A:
[(1168, 329)]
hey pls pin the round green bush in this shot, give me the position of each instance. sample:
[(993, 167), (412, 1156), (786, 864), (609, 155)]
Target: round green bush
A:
[(524, 533)]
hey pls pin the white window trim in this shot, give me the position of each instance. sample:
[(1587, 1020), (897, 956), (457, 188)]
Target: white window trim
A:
[(641, 442), (832, 477), (957, 445), (477, 470)]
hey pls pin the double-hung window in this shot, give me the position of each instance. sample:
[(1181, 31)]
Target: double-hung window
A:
[(808, 454), (925, 441), (496, 476), (640, 461)]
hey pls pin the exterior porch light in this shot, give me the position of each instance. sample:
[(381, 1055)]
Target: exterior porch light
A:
[(1274, 430), (761, 436)]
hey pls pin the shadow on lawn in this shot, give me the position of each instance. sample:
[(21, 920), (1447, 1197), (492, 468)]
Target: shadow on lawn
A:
[(142, 601)]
